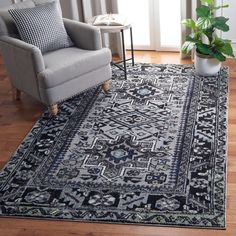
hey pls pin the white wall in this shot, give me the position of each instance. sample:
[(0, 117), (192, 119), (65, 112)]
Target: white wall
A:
[(230, 13)]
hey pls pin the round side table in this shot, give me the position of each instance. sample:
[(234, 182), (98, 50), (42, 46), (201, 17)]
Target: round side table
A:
[(119, 29)]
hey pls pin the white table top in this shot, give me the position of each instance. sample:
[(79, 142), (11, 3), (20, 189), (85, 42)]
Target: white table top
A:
[(110, 28)]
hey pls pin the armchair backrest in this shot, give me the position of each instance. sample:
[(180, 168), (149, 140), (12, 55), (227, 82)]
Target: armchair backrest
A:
[(7, 25)]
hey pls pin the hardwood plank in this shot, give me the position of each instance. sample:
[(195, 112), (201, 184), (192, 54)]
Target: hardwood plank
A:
[(63, 227), (17, 118)]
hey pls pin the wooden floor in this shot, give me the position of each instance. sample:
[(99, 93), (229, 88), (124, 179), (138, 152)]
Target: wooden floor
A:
[(16, 119)]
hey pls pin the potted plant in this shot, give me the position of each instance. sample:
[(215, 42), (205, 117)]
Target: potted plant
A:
[(210, 49)]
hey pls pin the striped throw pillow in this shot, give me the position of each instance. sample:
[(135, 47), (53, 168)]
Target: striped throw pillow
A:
[(42, 26)]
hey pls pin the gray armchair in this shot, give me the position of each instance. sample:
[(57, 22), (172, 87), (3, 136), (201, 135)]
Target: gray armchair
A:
[(57, 75)]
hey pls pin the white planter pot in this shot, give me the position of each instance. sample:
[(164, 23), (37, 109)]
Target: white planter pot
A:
[(206, 65)]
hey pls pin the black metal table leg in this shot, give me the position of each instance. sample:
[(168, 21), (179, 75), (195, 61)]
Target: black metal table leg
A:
[(124, 56), (132, 45)]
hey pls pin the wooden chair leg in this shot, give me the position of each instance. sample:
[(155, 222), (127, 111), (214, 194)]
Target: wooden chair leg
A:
[(106, 86), (16, 94), (53, 109)]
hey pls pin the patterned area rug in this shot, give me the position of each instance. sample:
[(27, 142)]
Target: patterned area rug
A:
[(152, 151)]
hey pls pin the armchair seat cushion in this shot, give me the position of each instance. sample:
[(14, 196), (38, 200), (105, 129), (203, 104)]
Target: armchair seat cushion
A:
[(67, 64)]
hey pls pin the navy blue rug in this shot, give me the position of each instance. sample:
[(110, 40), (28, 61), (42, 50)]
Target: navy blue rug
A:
[(151, 151)]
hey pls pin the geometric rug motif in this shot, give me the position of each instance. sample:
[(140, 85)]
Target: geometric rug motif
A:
[(151, 151)]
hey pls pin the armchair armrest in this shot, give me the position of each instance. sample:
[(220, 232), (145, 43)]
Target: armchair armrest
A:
[(83, 35), (23, 62), (12, 47)]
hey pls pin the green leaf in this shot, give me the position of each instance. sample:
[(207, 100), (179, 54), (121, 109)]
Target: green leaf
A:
[(221, 19), (203, 11), (226, 40), (223, 46), (224, 28), (218, 55), (220, 23), (227, 50), (208, 2), (191, 38), (187, 47), (222, 6), (209, 50), (204, 49), (219, 43), (204, 23), (189, 23)]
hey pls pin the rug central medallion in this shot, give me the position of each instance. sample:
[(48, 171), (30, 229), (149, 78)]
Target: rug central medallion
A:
[(113, 159), (133, 136)]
